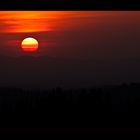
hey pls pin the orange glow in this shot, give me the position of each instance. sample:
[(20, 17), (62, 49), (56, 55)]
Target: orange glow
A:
[(40, 24), (27, 21), (29, 44), (36, 21)]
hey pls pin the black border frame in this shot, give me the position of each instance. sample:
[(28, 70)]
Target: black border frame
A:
[(69, 5)]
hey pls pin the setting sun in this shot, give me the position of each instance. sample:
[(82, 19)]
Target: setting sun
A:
[(29, 44)]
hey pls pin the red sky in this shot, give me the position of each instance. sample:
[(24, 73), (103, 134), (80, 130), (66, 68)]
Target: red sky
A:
[(85, 34)]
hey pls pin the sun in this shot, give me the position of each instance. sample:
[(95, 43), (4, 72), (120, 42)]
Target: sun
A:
[(29, 44)]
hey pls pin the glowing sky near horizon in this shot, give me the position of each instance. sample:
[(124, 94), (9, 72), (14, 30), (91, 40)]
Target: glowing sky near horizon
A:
[(73, 34)]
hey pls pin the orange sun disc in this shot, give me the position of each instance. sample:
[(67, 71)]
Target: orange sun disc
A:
[(29, 44)]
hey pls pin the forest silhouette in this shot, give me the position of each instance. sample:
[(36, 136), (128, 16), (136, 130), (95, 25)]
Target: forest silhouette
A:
[(109, 106)]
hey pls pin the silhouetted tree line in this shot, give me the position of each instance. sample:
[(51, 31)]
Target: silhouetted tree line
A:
[(71, 107)]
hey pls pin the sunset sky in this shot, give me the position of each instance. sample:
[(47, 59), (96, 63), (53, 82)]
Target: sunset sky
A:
[(85, 34), (96, 47)]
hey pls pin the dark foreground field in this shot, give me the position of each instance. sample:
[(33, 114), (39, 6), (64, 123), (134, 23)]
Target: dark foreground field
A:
[(114, 106)]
